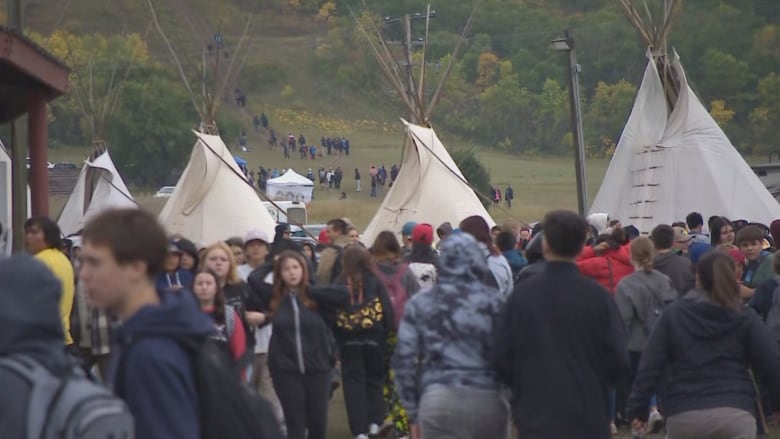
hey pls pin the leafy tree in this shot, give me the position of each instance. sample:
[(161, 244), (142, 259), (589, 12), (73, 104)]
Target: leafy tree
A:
[(721, 113), (605, 116), (152, 134), (474, 172)]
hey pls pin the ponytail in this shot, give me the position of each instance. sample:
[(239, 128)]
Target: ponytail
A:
[(718, 278), (642, 254)]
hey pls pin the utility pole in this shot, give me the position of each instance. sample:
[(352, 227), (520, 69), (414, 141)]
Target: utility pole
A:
[(566, 44), (409, 44), (18, 152)]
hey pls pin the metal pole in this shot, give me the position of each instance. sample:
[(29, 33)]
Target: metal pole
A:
[(408, 54), (576, 124), (18, 152)]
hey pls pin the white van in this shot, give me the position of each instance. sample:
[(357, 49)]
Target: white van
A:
[(295, 210)]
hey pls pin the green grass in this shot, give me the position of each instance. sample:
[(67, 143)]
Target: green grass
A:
[(540, 184)]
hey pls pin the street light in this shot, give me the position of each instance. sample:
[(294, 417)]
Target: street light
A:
[(566, 44)]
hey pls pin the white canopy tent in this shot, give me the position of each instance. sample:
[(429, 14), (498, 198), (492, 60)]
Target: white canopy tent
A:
[(290, 186), (99, 187), (213, 200), (670, 164), (429, 189)]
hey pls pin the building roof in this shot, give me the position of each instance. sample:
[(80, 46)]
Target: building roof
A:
[(27, 72)]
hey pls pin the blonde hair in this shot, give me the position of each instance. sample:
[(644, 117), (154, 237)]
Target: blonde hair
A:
[(642, 252), (232, 278)]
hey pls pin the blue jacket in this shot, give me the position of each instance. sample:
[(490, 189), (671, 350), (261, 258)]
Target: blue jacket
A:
[(158, 382), (516, 260)]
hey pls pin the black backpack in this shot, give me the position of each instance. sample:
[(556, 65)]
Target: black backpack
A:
[(228, 408)]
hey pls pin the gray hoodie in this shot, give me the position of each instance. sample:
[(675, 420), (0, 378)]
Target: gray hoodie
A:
[(30, 318), (633, 297)]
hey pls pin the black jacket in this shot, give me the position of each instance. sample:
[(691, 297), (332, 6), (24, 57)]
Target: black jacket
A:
[(310, 331), (678, 269), (560, 347), (698, 358), (373, 288)]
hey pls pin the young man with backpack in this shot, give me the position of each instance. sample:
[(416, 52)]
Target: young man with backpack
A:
[(173, 378), (44, 394), (330, 265)]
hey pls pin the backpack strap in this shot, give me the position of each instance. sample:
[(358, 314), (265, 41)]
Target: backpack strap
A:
[(230, 321), (46, 390)]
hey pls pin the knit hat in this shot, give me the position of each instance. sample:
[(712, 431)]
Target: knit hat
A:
[(408, 228), (422, 234)]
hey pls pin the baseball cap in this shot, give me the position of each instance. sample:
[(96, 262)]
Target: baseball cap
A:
[(681, 235), (408, 228), (256, 235), (422, 234), (173, 248)]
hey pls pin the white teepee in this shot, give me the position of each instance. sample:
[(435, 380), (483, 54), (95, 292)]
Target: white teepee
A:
[(430, 188), (213, 200), (99, 187), (673, 158)]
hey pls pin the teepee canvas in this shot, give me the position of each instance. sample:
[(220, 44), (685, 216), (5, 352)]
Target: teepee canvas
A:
[(213, 200), (99, 187), (430, 188), (673, 158)]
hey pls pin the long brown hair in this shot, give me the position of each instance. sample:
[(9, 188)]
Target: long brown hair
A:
[(219, 298), (357, 262), (386, 248), (717, 277), (280, 290), (642, 254)]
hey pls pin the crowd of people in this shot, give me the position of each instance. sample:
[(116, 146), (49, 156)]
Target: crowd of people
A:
[(565, 329)]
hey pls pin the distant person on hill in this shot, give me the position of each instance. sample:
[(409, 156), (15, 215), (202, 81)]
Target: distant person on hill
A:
[(357, 180), (393, 174), (509, 195), (256, 123), (301, 140), (313, 152), (264, 120)]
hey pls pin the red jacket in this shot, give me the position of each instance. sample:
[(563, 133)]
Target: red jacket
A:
[(609, 268)]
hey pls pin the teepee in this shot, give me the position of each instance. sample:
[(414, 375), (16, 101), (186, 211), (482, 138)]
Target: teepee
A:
[(672, 157), (430, 188), (213, 199), (99, 187)]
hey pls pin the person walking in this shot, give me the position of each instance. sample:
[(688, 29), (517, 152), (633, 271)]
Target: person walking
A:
[(509, 195), (357, 180), (362, 329), (229, 332), (123, 250), (641, 298), (399, 281), (560, 345), (700, 355), (300, 353), (444, 373), (42, 239)]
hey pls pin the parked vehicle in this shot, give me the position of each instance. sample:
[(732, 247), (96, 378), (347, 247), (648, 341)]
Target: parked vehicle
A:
[(165, 192), (294, 210)]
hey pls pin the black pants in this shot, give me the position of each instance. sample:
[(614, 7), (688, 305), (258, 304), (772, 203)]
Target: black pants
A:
[(363, 378), (304, 400)]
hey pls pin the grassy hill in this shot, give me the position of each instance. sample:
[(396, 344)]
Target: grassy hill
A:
[(277, 79)]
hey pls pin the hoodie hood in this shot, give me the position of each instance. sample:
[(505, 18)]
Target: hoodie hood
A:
[(704, 319), (462, 260), (176, 315), (444, 229), (29, 310), (662, 260), (599, 221)]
